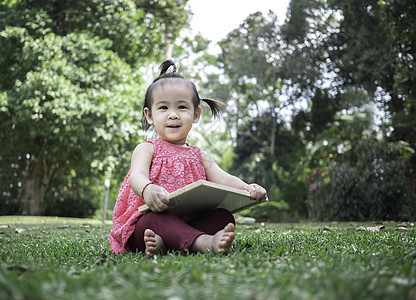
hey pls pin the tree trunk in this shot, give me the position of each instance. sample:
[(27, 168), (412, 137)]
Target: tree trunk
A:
[(169, 43), (35, 184), (273, 130)]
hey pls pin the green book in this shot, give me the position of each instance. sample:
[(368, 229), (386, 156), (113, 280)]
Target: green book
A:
[(202, 196)]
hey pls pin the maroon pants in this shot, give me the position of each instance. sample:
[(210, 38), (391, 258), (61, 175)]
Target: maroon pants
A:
[(176, 233)]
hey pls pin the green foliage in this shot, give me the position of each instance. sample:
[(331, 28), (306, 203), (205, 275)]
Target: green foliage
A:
[(137, 30), (305, 64), (76, 196), (76, 96), (268, 212), (399, 18), (375, 49), (298, 18), (48, 258), (299, 99), (252, 161), (367, 53), (337, 62), (292, 191), (248, 60), (370, 181), (69, 92)]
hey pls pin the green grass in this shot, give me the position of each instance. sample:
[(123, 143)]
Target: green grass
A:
[(48, 258)]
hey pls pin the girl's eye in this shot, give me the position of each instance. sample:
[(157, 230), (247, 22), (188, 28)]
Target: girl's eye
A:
[(183, 107), (163, 107)]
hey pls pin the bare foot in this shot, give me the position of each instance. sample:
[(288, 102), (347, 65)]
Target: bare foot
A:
[(218, 243), (223, 239), (154, 243)]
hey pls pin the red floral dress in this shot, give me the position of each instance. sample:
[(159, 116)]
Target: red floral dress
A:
[(172, 167)]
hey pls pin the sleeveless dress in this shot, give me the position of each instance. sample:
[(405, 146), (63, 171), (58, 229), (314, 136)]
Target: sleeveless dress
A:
[(172, 167)]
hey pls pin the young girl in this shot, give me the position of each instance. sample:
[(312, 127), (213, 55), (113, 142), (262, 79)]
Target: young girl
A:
[(165, 164)]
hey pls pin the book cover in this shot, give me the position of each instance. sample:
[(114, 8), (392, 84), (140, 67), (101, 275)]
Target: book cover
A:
[(201, 196)]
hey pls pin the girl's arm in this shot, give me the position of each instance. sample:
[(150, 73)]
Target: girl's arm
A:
[(154, 196), (216, 174)]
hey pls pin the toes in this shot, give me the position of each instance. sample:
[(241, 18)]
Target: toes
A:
[(148, 233), (229, 228), (150, 245), (154, 243)]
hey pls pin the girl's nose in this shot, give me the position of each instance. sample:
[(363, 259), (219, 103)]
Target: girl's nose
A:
[(173, 115)]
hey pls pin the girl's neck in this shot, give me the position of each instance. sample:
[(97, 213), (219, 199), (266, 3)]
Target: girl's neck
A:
[(176, 144)]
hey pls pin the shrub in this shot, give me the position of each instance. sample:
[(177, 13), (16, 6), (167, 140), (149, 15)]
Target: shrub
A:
[(268, 212), (76, 198), (371, 181)]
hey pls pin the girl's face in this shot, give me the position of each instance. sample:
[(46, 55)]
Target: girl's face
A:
[(172, 112)]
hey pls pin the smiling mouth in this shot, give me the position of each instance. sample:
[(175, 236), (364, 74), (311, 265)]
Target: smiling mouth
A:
[(174, 126)]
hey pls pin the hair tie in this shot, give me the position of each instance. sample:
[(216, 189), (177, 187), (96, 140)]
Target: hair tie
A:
[(166, 68), (171, 69)]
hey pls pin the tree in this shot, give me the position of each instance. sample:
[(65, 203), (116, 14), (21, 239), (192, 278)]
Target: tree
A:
[(340, 53), (248, 61), (332, 60), (69, 89), (360, 177), (376, 50)]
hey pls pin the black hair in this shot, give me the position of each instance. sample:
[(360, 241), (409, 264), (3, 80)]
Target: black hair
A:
[(168, 71)]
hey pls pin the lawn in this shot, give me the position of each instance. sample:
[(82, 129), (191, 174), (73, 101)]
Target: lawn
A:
[(55, 258)]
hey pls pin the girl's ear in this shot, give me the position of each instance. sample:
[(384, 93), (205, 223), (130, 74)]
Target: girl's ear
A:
[(198, 113), (148, 115)]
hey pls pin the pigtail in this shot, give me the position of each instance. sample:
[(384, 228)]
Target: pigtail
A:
[(215, 106)]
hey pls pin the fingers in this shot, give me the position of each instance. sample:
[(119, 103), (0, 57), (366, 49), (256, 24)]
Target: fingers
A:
[(157, 199), (160, 204), (257, 192), (157, 206)]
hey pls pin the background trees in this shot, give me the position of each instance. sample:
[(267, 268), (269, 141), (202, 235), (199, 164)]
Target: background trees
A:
[(343, 121), (247, 60), (264, 144), (69, 93), (320, 110), (357, 115)]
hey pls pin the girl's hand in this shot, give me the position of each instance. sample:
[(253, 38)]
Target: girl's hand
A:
[(256, 191), (156, 197)]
